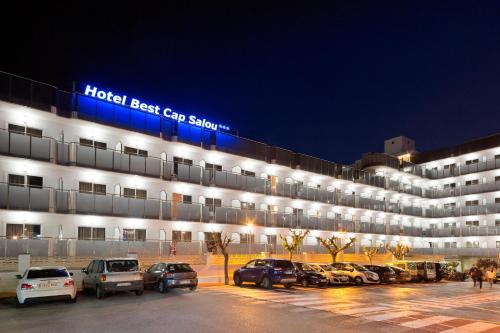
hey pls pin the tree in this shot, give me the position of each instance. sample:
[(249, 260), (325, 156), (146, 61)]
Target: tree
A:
[(370, 252), (222, 243), (292, 245), (399, 251), (334, 245), (486, 263)]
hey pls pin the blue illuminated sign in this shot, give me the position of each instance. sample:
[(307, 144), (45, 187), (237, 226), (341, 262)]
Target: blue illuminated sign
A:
[(135, 103)]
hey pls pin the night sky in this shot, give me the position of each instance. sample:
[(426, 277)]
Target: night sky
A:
[(331, 79)]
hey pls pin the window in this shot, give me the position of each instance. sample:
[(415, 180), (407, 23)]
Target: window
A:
[(472, 223), (470, 245), (247, 173), (89, 233), (246, 238), (92, 143), (450, 225), (449, 166), (472, 182), (180, 160), (497, 178), (212, 203), (134, 234), (449, 245), (248, 205), (135, 151), (181, 236), (449, 205), (497, 200), (212, 167), (30, 181), (474, 161), (134, 193), (498, 244), (25, 130), (85, 187), (16, 180), (22, 231), (497, 223), (472, 203), (449, 186)]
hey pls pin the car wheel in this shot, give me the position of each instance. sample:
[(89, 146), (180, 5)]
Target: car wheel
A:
[(237, 280), (99, 293), (162, 288), (193, 288), (358, 281), (266, 283), (288, 285), (139, 292), (305, 283)]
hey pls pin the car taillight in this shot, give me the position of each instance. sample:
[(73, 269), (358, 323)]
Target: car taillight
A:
[(26, 286), (69, 283), (169, 275), (102, 278)]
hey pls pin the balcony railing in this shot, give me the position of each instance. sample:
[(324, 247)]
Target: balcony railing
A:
[(489, 164)]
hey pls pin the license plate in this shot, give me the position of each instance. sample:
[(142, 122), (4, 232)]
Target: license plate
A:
[(123, 284), (47, 285), (185, 282), (288, 272)]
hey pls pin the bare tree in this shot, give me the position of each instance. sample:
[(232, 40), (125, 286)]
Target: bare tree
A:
[(222, 243), (292, 245), (399, 251), (333, 245), (370, 252)]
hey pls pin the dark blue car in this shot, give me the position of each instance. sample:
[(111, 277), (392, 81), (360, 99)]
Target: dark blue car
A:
[(266, 273)]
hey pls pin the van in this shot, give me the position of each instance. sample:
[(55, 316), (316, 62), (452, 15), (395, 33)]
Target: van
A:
[(419, 270)]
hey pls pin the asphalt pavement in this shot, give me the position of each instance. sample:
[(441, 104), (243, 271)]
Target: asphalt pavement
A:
[(443, 307)]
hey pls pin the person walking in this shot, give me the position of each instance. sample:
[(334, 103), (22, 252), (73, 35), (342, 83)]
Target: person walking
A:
[(480, 276), (490, 275), (473, 275)]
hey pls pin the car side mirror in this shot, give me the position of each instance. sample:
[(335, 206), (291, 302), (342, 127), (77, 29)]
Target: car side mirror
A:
[(84, 270), (71, 274), (19, 276)]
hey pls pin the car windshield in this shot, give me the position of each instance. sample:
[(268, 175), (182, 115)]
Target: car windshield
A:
[(359, 267), (122, 265), (179, 268), (283, 264), (47, 273)]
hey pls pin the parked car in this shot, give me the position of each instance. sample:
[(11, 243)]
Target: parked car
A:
[(103, 276), (419, 270), (45, 283), (496, 279), (385, 273), (441, 271), (333, 276), (358, 274), (170, 275), (401, 274), (266, 273), (307, 275)]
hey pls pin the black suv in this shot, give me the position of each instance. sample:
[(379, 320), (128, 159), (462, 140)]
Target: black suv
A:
[(266, 272)]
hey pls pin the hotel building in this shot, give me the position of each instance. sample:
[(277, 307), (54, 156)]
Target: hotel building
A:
[(84, 173)]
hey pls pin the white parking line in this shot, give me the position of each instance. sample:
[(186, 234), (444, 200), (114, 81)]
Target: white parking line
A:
[(390, 315), (355, 311), (473, 327), (426, 321)]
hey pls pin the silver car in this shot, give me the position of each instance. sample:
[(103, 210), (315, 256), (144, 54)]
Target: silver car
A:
[(334, 276)]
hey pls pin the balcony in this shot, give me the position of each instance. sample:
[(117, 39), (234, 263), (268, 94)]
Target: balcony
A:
[(25, 145), (25, 198)]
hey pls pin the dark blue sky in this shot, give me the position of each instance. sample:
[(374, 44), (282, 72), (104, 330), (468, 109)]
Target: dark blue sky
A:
[(329, 79)]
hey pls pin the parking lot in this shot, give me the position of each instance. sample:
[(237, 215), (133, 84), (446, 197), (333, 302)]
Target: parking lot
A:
[(412, 307)]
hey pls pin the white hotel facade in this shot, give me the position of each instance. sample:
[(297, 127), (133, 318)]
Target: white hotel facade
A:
[(79, 174)]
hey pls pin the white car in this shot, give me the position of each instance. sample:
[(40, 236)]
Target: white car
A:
[(45, 283), (333, 276), (358, 274)]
